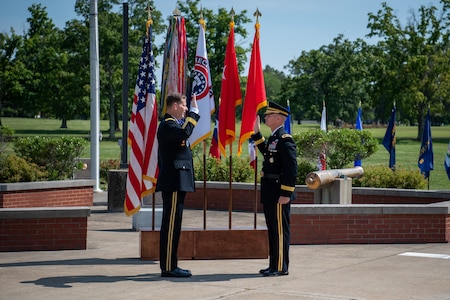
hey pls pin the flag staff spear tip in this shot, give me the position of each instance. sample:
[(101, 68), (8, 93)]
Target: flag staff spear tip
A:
[(232, 13), (176, 12), (257, 14), (149, 10)]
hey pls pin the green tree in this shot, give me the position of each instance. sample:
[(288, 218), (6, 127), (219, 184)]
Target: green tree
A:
[(273, 80), (46, 67), (338, 74), (110, 23), (10, 69), (341, 146), (413, 62)]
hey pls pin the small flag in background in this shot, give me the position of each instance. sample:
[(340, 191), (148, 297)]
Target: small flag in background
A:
[(390, 140), (252, 153), (322, 160), (323, 120), (143, 167), (447, 161), (358, 127), (426, 160), (214, 148), (287, 123)]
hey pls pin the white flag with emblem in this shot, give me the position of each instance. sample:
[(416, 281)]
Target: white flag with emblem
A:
[(202, 88)]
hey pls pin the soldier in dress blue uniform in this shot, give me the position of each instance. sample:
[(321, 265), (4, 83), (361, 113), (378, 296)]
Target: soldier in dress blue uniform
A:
[(278, 178), (176, 176)]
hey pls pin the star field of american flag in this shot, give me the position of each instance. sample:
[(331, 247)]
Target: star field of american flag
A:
[(146, 80)]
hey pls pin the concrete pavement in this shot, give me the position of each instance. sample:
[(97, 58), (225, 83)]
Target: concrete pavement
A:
[(111, 269)]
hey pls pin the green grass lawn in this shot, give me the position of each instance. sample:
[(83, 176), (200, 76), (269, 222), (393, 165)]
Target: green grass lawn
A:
[(407, 149)]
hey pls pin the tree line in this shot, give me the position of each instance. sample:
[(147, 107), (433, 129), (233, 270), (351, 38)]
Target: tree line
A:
[(45, 69)]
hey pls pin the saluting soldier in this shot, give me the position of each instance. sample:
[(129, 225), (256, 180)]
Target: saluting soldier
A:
[(278, 178), (176, 177)]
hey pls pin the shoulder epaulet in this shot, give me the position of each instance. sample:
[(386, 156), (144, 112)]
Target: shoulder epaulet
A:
[(286, 135), (170, 119)]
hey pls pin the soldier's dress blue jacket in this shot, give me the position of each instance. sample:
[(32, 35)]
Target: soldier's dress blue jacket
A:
[(278, 178), (176, 177)]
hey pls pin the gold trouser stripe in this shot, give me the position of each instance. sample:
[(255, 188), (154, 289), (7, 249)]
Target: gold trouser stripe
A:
[(280, 236), (170, 232)]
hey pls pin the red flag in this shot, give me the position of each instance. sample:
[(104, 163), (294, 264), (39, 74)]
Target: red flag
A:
[(230, 95), (255, 97), (143, 166)]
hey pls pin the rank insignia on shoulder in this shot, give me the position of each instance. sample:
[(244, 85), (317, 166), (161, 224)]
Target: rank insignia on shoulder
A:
[(286, 135)]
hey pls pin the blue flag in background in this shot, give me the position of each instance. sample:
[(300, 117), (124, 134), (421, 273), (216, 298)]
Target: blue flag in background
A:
[(358, 127), (389, 140), (426, 149), (447, 161), (287, 123)]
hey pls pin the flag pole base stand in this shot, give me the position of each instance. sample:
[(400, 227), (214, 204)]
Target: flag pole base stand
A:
[(239, 243)]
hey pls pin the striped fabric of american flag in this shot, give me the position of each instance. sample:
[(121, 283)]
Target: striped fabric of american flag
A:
[(143, 166)]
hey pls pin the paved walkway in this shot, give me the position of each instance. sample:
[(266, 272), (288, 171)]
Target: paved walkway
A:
[(111, 269)]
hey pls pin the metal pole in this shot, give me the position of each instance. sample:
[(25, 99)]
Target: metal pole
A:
[(124, 145), (95, 94)]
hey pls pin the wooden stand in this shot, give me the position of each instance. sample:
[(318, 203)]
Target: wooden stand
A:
[(236, 243)]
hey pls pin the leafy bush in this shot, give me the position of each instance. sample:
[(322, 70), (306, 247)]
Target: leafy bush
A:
[(218, 169), (384, 177), (6, 135), (59, 156), (304, 167), (341, 145), (105, 166), (17, 169)]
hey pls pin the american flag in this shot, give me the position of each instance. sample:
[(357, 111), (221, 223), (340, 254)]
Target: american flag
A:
[(143, 166)]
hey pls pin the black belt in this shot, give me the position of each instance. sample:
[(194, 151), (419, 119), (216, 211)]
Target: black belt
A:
[(270, 176)]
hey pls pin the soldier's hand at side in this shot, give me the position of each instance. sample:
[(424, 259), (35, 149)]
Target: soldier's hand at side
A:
[(283, 200)]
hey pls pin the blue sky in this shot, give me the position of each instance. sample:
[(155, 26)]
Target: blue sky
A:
[(287, 26)]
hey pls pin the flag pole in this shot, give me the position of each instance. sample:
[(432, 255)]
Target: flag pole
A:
[(149, 10), (205, 201), (256, 191), (230, 191)]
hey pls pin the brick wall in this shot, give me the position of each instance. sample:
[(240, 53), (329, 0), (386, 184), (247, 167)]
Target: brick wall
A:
[(243, 196), (47, 194), (369, 229), (31, 229)]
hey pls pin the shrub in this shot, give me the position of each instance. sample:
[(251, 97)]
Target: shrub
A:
[(304, 167), (383, 177), (17, 169), (218, 169), (341, 145), (59, 156), (6, 135), (105, 166)]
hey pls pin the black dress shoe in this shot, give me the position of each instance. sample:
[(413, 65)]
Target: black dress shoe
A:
[(272, 272), (176, 273), (262, 271)]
